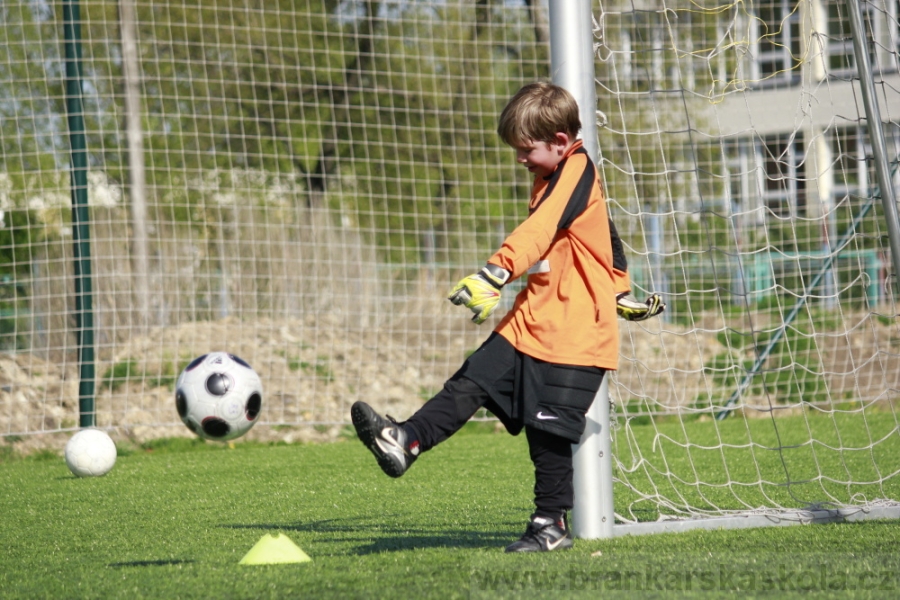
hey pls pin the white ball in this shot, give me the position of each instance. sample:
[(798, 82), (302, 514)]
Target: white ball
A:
[(218, 396), (90, 453)]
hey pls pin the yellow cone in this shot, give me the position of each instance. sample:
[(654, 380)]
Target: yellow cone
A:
[(274, 550)]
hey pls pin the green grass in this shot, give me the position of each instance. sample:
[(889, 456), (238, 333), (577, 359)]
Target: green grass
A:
[(174, 519)]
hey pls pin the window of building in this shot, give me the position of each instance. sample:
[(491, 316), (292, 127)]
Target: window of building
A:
[(841, 54), (644, 39), (854, 164), (776, 34), (737, 161), (766, 174), (851, 176), (782, 187)]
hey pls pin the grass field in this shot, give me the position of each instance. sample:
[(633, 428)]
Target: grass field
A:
[(173, 521)]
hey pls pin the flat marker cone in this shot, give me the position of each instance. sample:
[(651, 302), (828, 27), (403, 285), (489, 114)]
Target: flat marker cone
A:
[(274, 550)]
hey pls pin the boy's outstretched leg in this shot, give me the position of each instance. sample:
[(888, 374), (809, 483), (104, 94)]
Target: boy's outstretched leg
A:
[(397, 445), (386, 438)]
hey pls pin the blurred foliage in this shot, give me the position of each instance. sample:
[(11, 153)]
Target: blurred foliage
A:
[(384, 115), (383, 112)]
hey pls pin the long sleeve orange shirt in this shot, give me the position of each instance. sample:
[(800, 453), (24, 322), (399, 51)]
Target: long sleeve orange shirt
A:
[(566, 313)]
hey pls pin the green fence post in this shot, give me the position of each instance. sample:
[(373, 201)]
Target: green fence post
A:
[(84, 315)]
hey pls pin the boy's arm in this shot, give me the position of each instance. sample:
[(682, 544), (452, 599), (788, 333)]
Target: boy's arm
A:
[(565, 198), (569, 194), (480, 292), (627, 306)]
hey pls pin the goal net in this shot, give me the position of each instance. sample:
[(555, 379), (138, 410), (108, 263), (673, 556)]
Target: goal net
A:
[(299, 183), (739, 171)]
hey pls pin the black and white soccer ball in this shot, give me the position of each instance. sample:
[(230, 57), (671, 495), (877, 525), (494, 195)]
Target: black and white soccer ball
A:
[(218, 396)]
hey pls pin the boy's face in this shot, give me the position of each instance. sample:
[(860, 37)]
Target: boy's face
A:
[(542, 158)]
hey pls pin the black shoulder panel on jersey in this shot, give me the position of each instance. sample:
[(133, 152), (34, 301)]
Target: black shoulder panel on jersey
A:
[(554, 178), (580, 195)]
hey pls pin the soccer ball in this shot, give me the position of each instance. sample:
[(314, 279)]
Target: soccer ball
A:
[(218, 396), (90, 453)]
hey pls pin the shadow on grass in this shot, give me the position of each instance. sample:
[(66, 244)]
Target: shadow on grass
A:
[(383, 537), (150, 563)]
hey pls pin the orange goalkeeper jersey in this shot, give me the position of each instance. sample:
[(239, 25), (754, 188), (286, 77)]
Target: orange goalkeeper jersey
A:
[(566, 313)]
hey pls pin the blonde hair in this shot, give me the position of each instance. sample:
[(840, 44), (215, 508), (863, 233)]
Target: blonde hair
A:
[(537, 113)]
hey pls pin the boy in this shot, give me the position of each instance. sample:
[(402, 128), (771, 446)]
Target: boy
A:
[(542, 366)]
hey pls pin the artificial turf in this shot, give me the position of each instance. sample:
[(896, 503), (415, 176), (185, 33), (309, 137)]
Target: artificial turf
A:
[(173, 520)]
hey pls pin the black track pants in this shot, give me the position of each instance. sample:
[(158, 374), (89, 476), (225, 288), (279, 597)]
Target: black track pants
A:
[(551, 454), (450, 409), (454, 405)]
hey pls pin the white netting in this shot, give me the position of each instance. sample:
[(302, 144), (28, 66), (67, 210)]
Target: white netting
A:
[(739, 172)]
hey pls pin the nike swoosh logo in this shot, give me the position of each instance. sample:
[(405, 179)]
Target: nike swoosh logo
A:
[(553, 545), (544, 417), (385, 441)]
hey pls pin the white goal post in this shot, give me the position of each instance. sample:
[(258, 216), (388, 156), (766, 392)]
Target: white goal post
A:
[(572, 67)]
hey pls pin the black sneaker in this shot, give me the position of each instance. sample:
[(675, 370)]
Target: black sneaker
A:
[(543, 535), (384, 437)]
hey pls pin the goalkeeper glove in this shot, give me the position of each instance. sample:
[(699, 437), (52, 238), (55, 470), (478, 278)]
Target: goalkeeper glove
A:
[(480, 292), (630, 309)]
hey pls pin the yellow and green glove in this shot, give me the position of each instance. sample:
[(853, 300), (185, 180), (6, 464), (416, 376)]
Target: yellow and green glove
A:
[(480, 292), (631, 309)]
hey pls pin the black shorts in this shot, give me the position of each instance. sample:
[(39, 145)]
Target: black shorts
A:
[(524, 391)]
